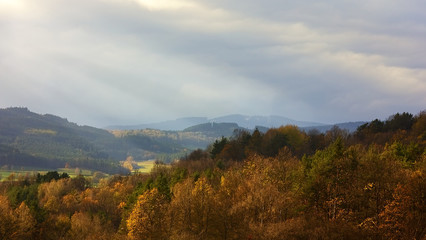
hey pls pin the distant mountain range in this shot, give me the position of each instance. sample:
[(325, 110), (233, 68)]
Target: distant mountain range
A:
[(249, 122), (252, 122), (171, 125), (243, 121)]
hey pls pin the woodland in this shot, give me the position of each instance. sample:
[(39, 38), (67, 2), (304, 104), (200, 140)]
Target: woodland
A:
[(32, 140), (284, 183)]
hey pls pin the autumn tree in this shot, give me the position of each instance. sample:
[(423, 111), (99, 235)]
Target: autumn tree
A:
[(50, 193), (88, 227), (148, 219), (15, 224), (380, 173), (330, 177), (272, 141), (296, 139), (193, 210), (7, 219), (255, 143), (129, 163), (25, 222), (419, 128), (218, 146), (405, 216), (316, 141), (229, 221)]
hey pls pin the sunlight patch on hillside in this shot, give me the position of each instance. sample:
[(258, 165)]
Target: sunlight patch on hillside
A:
[(40, 131)]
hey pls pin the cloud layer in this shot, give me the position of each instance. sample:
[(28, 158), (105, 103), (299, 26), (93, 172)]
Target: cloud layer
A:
[(104, 62)]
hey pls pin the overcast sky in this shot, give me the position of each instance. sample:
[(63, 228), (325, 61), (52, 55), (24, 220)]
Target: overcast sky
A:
[(102, 62)]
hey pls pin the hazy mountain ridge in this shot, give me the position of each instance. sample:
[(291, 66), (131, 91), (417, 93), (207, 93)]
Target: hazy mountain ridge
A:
[(244, 121), (272, 121), (263, 123), (171, 125)]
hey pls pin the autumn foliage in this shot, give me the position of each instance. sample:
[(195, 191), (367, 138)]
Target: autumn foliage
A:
[(281, 184)]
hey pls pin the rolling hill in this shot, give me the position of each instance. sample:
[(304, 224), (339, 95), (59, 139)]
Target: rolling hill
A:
[(31, 139), (47, 141)]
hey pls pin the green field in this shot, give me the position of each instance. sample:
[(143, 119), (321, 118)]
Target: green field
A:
[(145, 166), (4, 174)]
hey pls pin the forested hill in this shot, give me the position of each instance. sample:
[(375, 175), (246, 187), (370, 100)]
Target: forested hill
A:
[(48, 141), (215, 129), (29, 139)]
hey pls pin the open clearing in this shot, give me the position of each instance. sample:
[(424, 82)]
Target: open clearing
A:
[(72, 172), (145, 166)]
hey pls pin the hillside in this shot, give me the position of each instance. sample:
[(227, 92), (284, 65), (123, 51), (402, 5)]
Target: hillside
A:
[(198, 136), (29, 139), (33, 140), (215, 130)]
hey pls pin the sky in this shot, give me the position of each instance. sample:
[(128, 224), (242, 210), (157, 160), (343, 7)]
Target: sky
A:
[(105, 62)]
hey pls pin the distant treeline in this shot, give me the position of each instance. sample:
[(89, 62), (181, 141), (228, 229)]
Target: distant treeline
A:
[(398, 128)]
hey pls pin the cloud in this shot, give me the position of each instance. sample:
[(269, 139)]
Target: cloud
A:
[(106, 62)]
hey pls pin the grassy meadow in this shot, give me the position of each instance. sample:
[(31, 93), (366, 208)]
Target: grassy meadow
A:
[(145, 166), (72, 172)]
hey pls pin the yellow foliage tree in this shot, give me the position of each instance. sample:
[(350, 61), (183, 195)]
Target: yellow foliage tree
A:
[(25, 222), (148, 219), (7, 219), (193, 209), (84, 226), (50, 194), (15, 224), (295, 138)]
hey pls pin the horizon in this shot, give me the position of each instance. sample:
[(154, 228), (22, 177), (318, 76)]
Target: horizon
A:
[(127, 62), (206, 118)]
